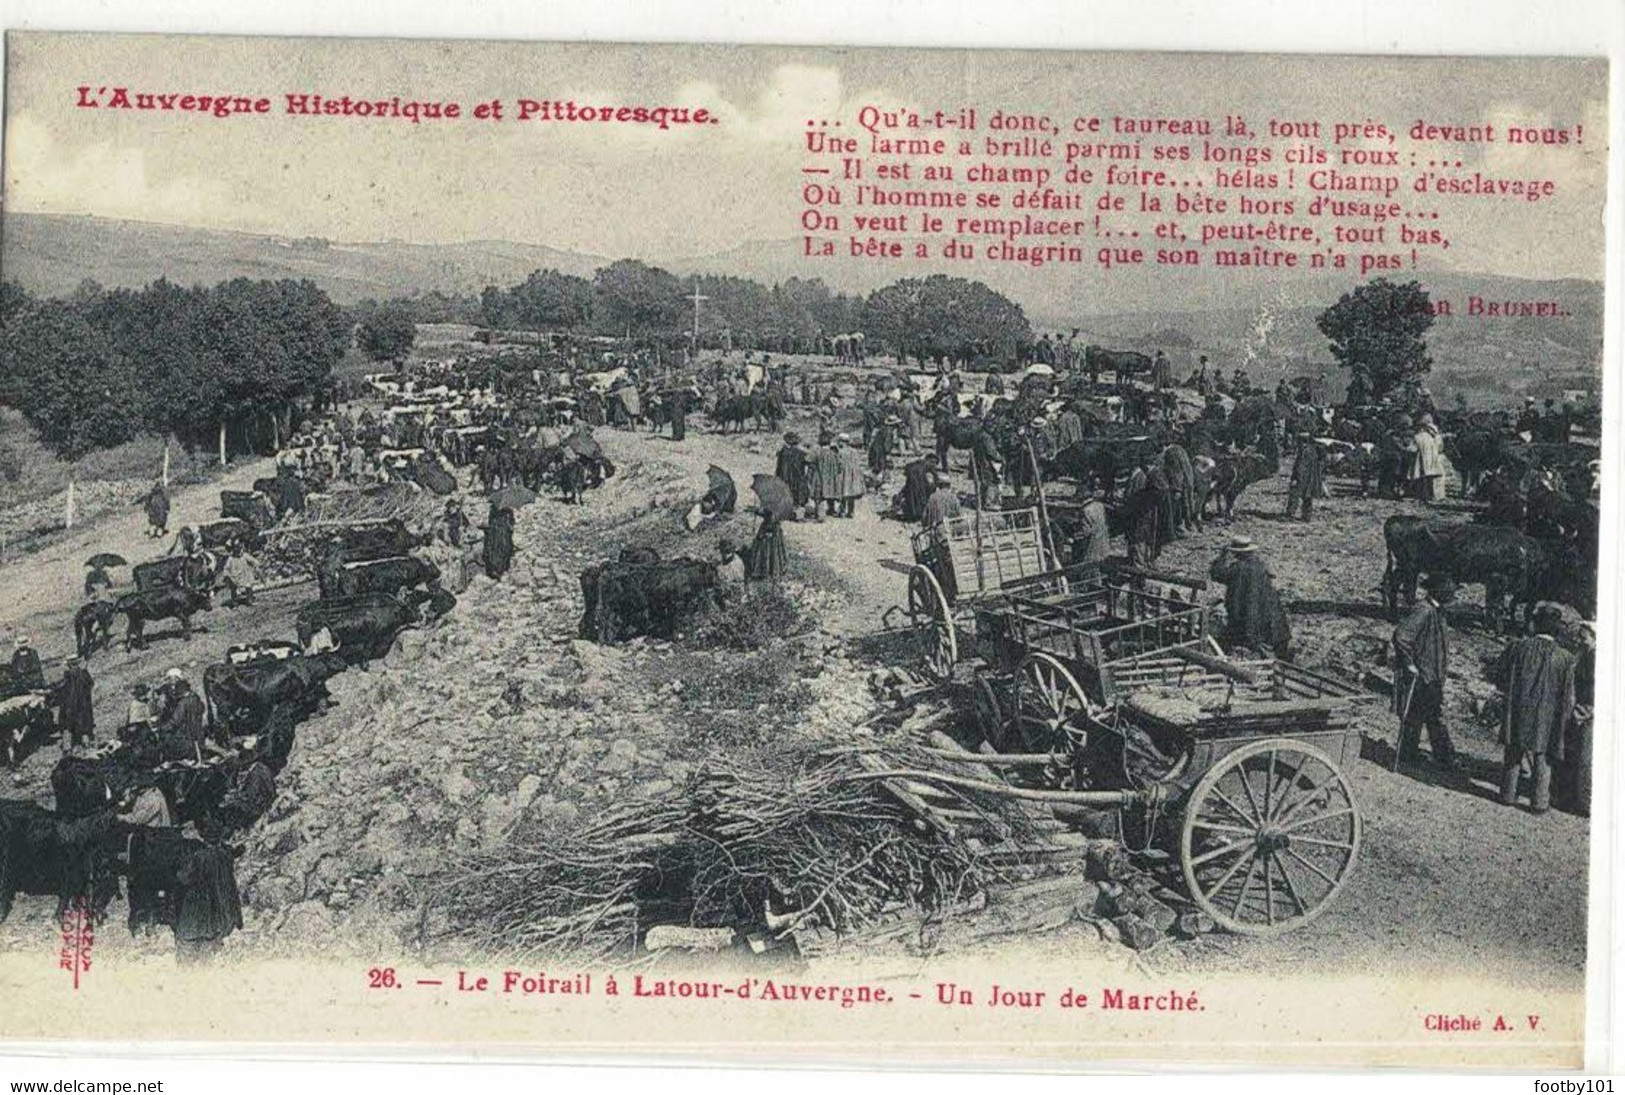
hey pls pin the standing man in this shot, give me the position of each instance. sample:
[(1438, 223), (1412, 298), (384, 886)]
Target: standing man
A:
[(1091, 539), (498, 546), (156, 503), (942, 504), (1422, 654), (456, 522), (181, 730), (677, 406), (1428, 466), (826, 478), (1307, 476), (1538, 678), (1162, 372), (1253, 615), (791, 467), (1147, 490), (76, 714), (851, 476)]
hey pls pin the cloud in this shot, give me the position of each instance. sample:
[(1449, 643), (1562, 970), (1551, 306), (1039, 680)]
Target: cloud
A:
[(42, 176)]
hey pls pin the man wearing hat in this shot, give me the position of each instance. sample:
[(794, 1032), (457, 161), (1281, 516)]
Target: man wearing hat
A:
[(826, 478), (1253, 615), (1091, 538), (1307, 476), (791, 467), (76, 713), (849, 482), (1422, 655), (942, 504), (26, 671), (181, 730), (1538, 677)]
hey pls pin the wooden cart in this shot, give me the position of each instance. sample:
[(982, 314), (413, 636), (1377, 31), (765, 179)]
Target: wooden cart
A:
[(1234, 767), (1051, 646), (962, 562)]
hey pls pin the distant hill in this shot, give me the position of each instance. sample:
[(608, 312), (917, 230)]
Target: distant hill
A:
[(1236, 317), (51, 254)]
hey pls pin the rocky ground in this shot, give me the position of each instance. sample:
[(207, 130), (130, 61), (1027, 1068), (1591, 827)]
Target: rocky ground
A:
[(497, 713)]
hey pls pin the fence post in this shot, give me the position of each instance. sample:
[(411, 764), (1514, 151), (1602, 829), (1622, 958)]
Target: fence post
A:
[(70, 502)]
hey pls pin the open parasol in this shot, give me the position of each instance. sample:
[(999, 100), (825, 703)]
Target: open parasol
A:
[(513, 496), (106, 559), (773, 496)]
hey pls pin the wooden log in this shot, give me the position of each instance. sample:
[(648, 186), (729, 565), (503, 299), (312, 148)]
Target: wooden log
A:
[(1218, 665)]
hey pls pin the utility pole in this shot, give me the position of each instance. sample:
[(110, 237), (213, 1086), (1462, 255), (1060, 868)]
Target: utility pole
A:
[(697, 298)]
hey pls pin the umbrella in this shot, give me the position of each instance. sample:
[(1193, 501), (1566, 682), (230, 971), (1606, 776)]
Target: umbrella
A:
[(774, 495), (106, 559), (721, 494), (513, 496)]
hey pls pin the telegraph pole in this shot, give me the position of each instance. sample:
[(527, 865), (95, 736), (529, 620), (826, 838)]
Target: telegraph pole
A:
[(697, 298)]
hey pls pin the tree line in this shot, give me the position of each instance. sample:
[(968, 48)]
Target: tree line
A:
[(920, 317), (222, 365)]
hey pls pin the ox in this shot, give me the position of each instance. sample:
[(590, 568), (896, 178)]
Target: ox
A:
[(1512, 567)]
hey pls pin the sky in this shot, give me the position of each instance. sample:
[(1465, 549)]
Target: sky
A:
[(639, 192)]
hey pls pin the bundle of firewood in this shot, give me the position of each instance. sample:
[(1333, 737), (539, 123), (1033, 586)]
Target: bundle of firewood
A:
[(788, 837)]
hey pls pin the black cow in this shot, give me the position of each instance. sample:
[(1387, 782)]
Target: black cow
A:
[(624, 600), (227, 533), (93, 627), (1513, 568), (1120, 362), (46, 855), (243, 697), (378, 540), (379, 576), (364, 626), (169, 603), (25, 724), (1233, 474)]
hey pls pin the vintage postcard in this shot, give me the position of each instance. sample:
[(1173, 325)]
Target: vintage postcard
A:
[(800, 554)]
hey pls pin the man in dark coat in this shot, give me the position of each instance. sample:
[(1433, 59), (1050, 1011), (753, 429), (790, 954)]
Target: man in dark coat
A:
[(677, 407), (498, 542), (208, 905), (1422, 653), (791, 467), (1147, 494), (76, 713), (1307, 476), (181, 730), (456, 522), (1538, 677), (156, 503), (1253, 615)]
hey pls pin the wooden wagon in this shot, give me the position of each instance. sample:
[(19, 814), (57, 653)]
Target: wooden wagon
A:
[(962, 562), (1234, 767)]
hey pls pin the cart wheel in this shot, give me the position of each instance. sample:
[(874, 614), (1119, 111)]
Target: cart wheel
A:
[(1048, 699), (1270, 835), (989, 712), (933, 621)]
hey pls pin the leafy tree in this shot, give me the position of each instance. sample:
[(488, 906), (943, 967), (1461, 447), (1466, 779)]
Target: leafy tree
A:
[(386, 333), (1380, 328), (634, 297), (68, 380), (940, 315)]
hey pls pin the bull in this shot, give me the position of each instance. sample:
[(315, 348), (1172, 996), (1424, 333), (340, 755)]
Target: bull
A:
[(1234, 473), (1513, 568), (46, 855), (363, 626), (165, 603), (379, 576), (266, 697)]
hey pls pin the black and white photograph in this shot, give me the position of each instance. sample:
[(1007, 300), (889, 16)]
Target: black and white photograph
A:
[(985, 554)]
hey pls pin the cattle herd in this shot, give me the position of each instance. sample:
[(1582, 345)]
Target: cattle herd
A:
[(1161, 454)]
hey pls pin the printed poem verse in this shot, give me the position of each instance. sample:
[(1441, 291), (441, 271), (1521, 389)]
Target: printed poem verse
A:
[(1363, 195)]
